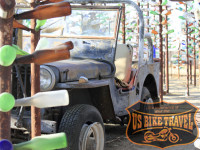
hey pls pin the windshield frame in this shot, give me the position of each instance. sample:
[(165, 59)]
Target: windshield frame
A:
[(90, 7)]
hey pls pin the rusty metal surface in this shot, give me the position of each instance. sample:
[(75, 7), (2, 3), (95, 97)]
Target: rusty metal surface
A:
[(187, 56), (190, 71), (161, 51), (167, 58), (123, 23), (47, 126), (6, 33), (89, 84), (194, 48), (35, 84), (73, 69)]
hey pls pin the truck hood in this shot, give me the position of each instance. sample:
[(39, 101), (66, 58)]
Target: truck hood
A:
[(73, 69)]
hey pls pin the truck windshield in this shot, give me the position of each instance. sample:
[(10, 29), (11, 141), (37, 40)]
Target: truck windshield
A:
[(83, 23), (91, 23)]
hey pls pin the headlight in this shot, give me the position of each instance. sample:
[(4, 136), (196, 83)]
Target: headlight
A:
[(47, 78)]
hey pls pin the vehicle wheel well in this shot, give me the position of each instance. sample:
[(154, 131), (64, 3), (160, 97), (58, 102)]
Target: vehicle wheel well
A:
[(150, 84)]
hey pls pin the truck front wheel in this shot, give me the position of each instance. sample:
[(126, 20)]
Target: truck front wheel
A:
[(84, 128)]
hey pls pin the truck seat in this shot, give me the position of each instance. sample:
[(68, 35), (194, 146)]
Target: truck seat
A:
[(123, 62)]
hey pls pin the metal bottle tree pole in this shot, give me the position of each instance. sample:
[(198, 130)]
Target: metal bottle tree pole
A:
[(187, 55), (167, 57), (35, 83), (161, 51), (194, 47), (6, 34), (123, 24)]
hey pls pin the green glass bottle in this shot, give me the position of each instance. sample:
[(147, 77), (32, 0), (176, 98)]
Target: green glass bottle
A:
[(7, 55), (7, 102), (45, 142)]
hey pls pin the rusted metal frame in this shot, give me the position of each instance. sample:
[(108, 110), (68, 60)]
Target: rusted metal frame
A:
[(109, 8), (167, 57), (161, 52), (194, 48), (6, 37), (187, 55), (77, 37), (179, 63), (35, 84), (138, 28), (190, 71), (123, 24), (147, 15)]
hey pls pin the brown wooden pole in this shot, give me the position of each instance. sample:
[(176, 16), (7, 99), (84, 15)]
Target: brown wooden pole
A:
[(161, 51), (190, 71), (167, 57), (123, 24), (187, 55), (35, 83), (6, 34), (194, 47)]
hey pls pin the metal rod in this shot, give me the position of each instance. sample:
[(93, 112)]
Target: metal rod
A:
[(6, 35), (179, 63), (190, 71), (194, 47), (167, 57), (123, 23), (187, 55), (35, 84), (161, 51), (147, 15)]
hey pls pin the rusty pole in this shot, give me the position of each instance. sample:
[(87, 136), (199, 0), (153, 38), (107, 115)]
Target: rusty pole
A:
[(194, 47), (179, 63), (187, 55), (6, 34), (35, 83), (190, 71), (164, 53), (147, 15), (167, 58), (138, 29), (123, 24), (161, 51)]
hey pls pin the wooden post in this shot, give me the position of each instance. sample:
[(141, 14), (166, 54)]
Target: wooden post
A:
[(123, 24), (161, 51), (35, 83), (187, 55), (6, 34), (194, 47), (167, 57)]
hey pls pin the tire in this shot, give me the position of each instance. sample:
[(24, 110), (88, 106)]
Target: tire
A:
[(84, 128), (146, 95)]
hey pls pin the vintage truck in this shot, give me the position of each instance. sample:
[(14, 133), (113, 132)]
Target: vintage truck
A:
[(101, 76)]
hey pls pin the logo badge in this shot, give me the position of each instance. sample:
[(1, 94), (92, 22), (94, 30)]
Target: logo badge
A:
[(162, 124)]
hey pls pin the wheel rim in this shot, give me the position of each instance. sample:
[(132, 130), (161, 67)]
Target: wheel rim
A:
[(91, 137)]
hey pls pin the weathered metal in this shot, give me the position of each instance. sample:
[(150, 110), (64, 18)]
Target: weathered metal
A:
[(194, 48), (6, 33), (35, 83), (190, 71), (161, 51), (123, 23), (60, 52), (187, 55), (167, 57)]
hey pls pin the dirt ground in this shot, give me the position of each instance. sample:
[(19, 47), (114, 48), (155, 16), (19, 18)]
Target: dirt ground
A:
[(115, 134)]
